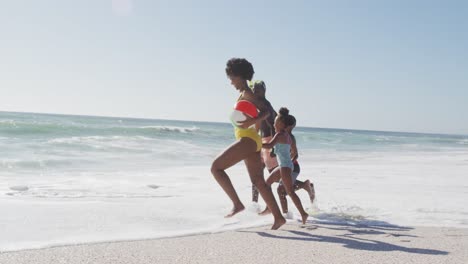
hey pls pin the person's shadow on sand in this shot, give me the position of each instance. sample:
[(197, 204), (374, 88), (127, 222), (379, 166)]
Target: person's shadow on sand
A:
[(351, 242), (373, 228)]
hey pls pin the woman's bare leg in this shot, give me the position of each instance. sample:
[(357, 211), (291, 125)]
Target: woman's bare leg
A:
[(236, 152), (275, 176), (254, 167), (288, 185)]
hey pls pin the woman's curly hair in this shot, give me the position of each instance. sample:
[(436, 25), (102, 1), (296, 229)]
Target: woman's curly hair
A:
[(240, 67)]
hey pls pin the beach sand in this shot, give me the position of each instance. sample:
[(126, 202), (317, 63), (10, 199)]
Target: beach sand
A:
[(293, 243)]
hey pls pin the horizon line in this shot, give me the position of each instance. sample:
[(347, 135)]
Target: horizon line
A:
[(217, 122)]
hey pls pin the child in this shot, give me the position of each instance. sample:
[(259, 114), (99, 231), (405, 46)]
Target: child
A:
[(307, 185), (282, 142)]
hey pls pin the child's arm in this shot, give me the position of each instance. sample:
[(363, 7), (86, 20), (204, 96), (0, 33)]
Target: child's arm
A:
[(272, 142), (294, 152)]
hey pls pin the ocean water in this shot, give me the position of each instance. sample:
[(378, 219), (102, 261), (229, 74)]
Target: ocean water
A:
[(80, 179)]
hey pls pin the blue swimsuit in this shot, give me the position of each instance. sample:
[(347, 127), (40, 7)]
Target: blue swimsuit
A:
[(283, 154)]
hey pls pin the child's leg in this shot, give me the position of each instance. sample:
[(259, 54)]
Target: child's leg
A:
[(308, 187), (304, 185), (254, 194), (275, 176), (288, 185), (282, 196), (298, 185)]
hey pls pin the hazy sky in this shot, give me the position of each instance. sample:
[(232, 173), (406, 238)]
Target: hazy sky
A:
[(380, 65)]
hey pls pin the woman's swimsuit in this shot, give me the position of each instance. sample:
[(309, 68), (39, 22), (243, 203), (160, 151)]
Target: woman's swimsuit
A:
[(251, 133)]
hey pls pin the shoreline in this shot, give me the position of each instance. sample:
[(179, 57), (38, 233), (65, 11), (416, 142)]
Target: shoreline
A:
[(293, 243)]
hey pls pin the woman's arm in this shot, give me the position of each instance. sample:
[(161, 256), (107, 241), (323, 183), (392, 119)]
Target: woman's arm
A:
[(262, 115), (251, 121), (271, 117)]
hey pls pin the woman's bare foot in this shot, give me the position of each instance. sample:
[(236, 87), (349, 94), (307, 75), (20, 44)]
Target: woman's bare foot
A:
[(235, 210), (309, 187), (278, 223), (265, 212), (304, 218)]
